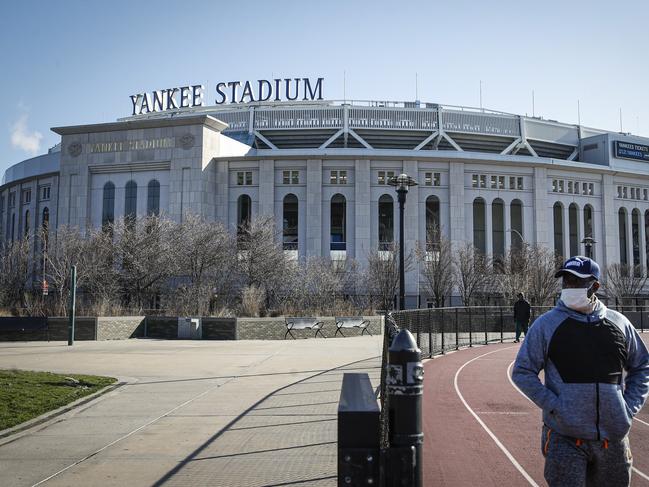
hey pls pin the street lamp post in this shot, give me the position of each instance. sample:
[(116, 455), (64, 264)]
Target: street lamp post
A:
[(588, 244), (401, 183)]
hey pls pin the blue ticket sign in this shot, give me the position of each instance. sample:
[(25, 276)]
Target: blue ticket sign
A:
[(627, 150)]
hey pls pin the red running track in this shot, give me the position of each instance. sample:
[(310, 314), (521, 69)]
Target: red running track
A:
[(479, 430)]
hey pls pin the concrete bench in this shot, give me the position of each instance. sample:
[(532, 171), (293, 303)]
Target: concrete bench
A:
[(352, 322), (303, 324)]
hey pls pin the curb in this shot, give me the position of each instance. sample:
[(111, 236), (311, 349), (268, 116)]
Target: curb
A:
[(10, 434)]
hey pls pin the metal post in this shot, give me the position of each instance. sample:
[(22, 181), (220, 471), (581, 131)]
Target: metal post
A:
[(470, 329), (502, 324), (405, 384), (430, 333), (73, 305), (402, 286), (457, 332), (442, 332), (486, 335), (358, 432)]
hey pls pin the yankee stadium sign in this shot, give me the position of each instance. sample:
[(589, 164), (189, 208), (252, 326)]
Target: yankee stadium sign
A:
[(287, 89)]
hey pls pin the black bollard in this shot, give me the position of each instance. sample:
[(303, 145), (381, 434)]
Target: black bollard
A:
[(405, 378)]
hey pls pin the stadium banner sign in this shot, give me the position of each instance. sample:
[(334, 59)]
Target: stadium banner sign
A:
[(627, 150), (286, 89)]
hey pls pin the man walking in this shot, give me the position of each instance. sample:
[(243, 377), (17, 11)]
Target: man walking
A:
[(596, 370), (522, 311)]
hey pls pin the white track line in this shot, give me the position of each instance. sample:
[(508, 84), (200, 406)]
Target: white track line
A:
[(131, 433), (509, 376), (485, 427)]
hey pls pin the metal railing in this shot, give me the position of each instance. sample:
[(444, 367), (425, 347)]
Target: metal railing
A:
[(438, 330)]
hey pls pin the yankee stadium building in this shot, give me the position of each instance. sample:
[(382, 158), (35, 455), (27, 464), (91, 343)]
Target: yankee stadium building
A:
[(321, 168)]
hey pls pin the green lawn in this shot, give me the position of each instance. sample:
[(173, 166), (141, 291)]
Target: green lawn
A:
[(25, 395)]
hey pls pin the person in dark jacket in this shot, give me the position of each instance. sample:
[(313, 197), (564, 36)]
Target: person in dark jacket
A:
[(522, 312), (596, 370)]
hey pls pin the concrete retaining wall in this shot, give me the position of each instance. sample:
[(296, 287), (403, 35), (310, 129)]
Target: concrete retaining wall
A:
[(120, 328), (162, 327), (219, 328), (85, 328)]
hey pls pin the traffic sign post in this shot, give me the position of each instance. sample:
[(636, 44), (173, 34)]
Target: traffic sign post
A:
[(73, 303)]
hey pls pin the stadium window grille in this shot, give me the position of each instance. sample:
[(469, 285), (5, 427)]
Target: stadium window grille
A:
[(555, 186), (240, 179), (27, 196), (295, 177), (474, 181), (576, 187), (130, 201), (26, 232), (512, 182), (12, 200), (428, 179), (248, 178), (570, 187), (437, 179), (290, 222), (153, 198), (501, 182), (561, 186), (483, 181), (286, 177), (381, 177), (519, 183), (108, 208), (386, 222), (342, 177), (333, 177), (45, 192), (494, 182)]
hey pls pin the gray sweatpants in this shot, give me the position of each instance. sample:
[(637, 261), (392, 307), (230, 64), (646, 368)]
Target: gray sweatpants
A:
[(570, 462)]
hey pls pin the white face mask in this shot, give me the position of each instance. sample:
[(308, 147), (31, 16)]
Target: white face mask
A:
[(578, 300)]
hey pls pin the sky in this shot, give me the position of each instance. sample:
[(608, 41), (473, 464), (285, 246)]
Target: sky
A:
[(75, 62)]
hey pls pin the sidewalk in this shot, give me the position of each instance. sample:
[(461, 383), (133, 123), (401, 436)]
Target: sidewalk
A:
[(192, 413)]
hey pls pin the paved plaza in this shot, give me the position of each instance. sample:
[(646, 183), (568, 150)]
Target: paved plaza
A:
[(245, 413)]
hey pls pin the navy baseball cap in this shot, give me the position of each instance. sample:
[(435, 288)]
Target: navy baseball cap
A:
[(580, 266)]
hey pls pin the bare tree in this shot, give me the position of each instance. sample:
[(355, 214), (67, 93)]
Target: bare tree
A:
[(205, 263), (66, 248), (383, 275), (624, 282), (261, 259), (145, 256), (472, 271), (542, 285), (436, 261), (14, 272), (514, 276)]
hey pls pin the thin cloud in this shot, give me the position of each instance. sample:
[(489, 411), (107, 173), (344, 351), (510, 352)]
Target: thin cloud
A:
[(23, 139)]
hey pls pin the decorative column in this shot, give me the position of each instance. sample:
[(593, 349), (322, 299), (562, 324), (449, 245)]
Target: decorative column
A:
[(488, 230), (566, 232), (629, 238)]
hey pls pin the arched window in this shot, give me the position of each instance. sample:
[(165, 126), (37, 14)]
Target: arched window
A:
[(432, 222), (621, 219), (153, 198), (13, 226), (338, 223), (573, 223), (588, 227), (130, 201), (290, 226), (516, 210), (557, 217), (386, 222), (26, 223), (498, 232), (108, 208), (244, 213), (479, 225), (635, 235)]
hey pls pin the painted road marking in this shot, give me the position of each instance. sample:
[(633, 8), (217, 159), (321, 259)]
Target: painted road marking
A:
[(509, 376), (484, 426)]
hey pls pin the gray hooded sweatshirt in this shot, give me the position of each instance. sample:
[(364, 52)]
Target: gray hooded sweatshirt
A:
[(596, 370)]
